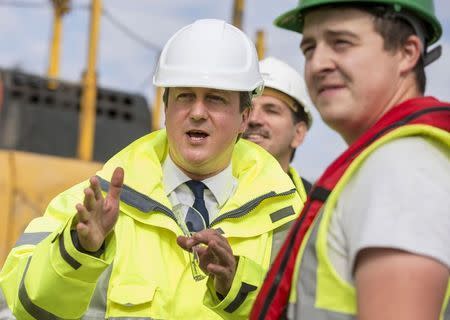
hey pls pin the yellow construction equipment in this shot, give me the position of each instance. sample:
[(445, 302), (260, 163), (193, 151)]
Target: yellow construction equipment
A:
[(87, 114), (260, 45), (238, 11), (60, 8), (46, 123), (28, 182)]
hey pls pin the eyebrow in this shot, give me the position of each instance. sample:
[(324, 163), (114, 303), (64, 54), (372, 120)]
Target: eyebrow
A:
[(219, 91), (271, 105), (330, 34)]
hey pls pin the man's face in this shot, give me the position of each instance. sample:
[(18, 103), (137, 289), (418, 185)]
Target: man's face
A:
[(351, 78), (202, 127), (271, 125)]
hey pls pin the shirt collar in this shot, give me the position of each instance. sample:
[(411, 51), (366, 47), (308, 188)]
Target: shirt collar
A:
[(222, 185)]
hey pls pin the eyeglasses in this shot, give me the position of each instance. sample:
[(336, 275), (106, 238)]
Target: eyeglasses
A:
[(191, 221)]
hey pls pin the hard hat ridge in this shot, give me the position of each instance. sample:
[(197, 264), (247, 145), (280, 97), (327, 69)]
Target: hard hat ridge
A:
[(282, 77), (418, 13), (209, 53)]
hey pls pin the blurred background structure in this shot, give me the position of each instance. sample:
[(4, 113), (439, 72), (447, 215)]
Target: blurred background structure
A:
[(76, 87)]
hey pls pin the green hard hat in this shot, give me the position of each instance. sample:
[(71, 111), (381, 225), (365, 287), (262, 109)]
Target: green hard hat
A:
[(422, 9)]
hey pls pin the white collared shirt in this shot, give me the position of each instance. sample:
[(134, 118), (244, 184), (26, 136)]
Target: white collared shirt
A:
[(220, 187)]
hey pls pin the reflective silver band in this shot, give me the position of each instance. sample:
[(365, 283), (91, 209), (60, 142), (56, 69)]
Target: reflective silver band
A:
[(282, 213), (34, 310), (307, 284), (244, 290), (65, 255), (32, 238)]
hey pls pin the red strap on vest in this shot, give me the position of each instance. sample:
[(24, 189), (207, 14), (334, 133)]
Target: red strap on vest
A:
[(272, 299)]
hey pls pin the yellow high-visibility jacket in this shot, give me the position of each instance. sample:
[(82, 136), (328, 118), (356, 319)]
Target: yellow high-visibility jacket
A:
[(143, 273), (295, 177)]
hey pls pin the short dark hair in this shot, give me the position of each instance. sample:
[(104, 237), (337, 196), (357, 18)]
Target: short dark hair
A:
[(395, 31), (245, 99)]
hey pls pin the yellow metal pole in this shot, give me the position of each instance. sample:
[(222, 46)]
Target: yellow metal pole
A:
[(89, 94), (260, 44), (53, 68), (156, 116), (60, 7), (238, 10)]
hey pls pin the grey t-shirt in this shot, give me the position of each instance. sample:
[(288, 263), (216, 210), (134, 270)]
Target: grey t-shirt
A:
[(5, 312), (400, 198)]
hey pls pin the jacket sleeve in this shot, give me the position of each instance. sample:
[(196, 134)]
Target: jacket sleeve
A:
[(249, 275), (244, 289), (45, 276)]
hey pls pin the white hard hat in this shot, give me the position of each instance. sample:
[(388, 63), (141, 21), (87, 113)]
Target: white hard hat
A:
[(209, 53), (282, 77)]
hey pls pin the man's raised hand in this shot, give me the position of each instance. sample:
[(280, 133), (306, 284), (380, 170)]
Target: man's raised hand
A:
[(98, 215)]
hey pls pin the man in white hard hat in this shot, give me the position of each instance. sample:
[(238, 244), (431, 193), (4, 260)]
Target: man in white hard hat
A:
[(122, 253), (281, 117)]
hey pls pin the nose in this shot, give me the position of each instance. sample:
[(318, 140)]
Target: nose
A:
[(321, 61), (255, 118), (198, 110)]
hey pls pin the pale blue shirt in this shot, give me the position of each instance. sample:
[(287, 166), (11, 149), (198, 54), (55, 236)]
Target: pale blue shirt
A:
[(220, 187)]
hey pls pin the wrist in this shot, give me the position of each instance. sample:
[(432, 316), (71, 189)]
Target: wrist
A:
[(79, 247)]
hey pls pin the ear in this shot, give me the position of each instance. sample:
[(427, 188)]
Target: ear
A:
[(245, 116), (410, 54), (165, 115), (299, 134)]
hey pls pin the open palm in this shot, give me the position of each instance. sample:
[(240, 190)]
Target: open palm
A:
[(98, 215)]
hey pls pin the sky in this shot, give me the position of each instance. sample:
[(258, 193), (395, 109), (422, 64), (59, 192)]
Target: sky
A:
[(126, 60)]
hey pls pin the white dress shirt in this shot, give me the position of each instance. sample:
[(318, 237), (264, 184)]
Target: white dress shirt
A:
[(220, 187)]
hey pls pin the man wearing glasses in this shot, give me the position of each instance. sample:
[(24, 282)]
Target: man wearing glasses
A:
[(120, 254)]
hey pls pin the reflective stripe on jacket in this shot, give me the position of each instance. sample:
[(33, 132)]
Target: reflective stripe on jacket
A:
[(143, 274)]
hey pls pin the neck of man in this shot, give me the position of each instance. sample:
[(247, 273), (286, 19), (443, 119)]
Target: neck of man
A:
[(285, 161), (203, 171), (407, 90)]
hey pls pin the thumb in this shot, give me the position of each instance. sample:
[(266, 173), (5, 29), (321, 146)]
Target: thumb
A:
[(116, 184)]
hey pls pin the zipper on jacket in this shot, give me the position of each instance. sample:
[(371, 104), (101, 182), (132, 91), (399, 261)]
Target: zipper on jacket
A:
[(250, 206), (132, 197)]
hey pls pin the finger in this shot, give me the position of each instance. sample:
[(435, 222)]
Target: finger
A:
[(223, 255), (95, 186), (218, 271), (89, 199), (183, 242), (116, 184), (207, 235), (205, 257), (82, 230), (82, 213), (210, 235)]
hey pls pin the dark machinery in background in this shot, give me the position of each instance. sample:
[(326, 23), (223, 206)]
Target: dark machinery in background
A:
[(38, 119)]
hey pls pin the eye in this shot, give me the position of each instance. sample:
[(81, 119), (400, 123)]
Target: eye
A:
[(340, 44), (307, 51), (271, 109), (185, 96), (216, 99)]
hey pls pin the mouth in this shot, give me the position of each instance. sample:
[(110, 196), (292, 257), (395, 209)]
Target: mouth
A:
[(197, 135), (255, 136), (329, 89)]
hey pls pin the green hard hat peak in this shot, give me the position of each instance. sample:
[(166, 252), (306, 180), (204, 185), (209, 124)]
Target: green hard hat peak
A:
[(422, 9)]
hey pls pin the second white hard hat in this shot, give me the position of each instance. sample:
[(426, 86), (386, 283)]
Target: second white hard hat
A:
[(282, 77), (209, 53)]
